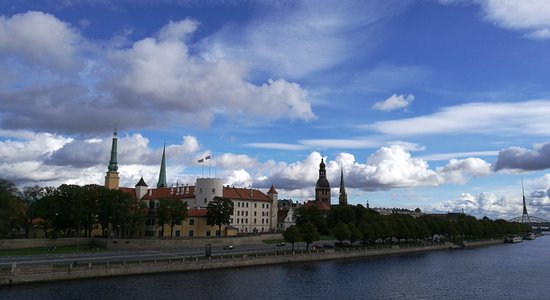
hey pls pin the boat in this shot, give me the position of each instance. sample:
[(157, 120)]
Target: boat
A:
[(513, 239), (529, 236)]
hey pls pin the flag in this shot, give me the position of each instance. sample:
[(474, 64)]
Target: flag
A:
[(201, 160), (208, 157)]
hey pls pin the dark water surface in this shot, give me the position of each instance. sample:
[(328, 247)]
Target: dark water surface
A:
[(512, 271)]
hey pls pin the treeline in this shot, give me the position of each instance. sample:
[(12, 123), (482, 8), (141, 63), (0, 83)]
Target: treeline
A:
[(357, 223), (68, 209)]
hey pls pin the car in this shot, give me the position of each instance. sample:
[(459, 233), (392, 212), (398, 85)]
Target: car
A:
[(281, 244), (228, 247)]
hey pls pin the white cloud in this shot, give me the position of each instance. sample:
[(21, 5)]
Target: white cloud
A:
[(457, 169), (39, 38), (162, 71), (529, 117), (530, 16), (484, 204), (448, 156), (394, 102)]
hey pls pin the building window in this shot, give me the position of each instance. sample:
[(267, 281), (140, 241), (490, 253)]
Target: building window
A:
[(208, 233), (267, 205), (246, 204), (191, 232), (246, 220), (254, 205), (238, 213), (254, 220), (262, 220), (191, 221), (204, 200), (178, 233), (263, 205), (238, 204), (254, 213), (213, 191)]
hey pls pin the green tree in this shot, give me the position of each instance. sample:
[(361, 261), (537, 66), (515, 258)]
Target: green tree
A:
[(219, 212), (309, 233), (292, 235), (341, 232), (171, 211), (13, 210), (311, 214), (355, 233)]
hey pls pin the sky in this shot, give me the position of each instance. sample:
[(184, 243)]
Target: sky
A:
[(437, 104)]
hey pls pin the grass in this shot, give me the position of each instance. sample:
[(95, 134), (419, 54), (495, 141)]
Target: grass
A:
[(46, 250)]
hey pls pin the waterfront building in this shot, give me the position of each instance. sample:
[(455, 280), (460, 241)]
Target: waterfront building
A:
[(254, 211)]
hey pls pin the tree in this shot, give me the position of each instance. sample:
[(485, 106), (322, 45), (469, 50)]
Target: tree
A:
[(171, 211), (219, 212), (355, 233), (13, 212), (309, 233), (292, 235), (311, 214), (341, 232)]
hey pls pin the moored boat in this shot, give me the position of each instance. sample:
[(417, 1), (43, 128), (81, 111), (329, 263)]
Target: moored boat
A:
[(529, 236), (513, 239)]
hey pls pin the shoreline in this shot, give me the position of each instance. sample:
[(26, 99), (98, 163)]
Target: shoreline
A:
[(50, 273)]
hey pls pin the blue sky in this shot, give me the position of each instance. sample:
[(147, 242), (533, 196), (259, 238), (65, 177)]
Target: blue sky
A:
[(441, 105)]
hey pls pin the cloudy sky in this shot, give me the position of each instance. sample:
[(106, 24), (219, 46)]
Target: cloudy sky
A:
[(442, 105)]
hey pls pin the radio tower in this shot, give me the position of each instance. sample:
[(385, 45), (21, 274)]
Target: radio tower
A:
[(525, 216)]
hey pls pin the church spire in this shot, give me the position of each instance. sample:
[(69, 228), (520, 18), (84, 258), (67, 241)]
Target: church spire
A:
[(343, 199), (113, 165), (162, 175), (112, 178)]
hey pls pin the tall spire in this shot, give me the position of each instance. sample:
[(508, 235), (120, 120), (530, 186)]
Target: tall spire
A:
[(113, 165), (525, 216), (162, 175), (112, 178), (343, 199)]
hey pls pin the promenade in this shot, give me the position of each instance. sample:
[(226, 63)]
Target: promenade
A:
[(15, 274)]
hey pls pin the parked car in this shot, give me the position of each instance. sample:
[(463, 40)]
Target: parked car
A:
[(281, 244), (228, 247)]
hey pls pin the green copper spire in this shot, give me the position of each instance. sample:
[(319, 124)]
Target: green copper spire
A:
[(162, 175), (113, 166)]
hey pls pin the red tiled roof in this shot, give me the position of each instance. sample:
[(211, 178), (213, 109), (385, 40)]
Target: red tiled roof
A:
[(193, 212), (321, 205), (272, 190), (234, 193)]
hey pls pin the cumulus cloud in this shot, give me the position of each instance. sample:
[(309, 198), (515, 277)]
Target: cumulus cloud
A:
[(47, 159), (387, 168), (494, 118), (516, 158), (529, 16), (158, 75), (484, 204), (394, 102), (39, 38)]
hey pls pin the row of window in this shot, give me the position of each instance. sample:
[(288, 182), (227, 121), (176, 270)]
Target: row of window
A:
[(245, 221), (245, 213), (245, 204)]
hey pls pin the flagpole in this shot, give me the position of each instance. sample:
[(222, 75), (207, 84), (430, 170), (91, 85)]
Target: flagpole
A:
[(209, 166)]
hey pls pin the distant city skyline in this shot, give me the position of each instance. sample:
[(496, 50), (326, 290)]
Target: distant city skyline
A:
[(441, 105)]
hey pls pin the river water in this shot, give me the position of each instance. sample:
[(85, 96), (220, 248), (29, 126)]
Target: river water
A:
[(513, 271)]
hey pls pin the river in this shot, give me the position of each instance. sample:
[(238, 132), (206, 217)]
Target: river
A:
[(513, 271)]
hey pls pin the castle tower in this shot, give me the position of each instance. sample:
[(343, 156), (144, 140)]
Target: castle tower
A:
[(112, 178), (343, 198), (162, 175), (274, 196), (322, 188)]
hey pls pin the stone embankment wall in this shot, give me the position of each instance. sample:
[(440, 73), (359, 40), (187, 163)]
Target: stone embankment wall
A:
[(29, 274), (480, 243)]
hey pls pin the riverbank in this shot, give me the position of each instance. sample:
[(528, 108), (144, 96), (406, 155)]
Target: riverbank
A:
[(43, 273)]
